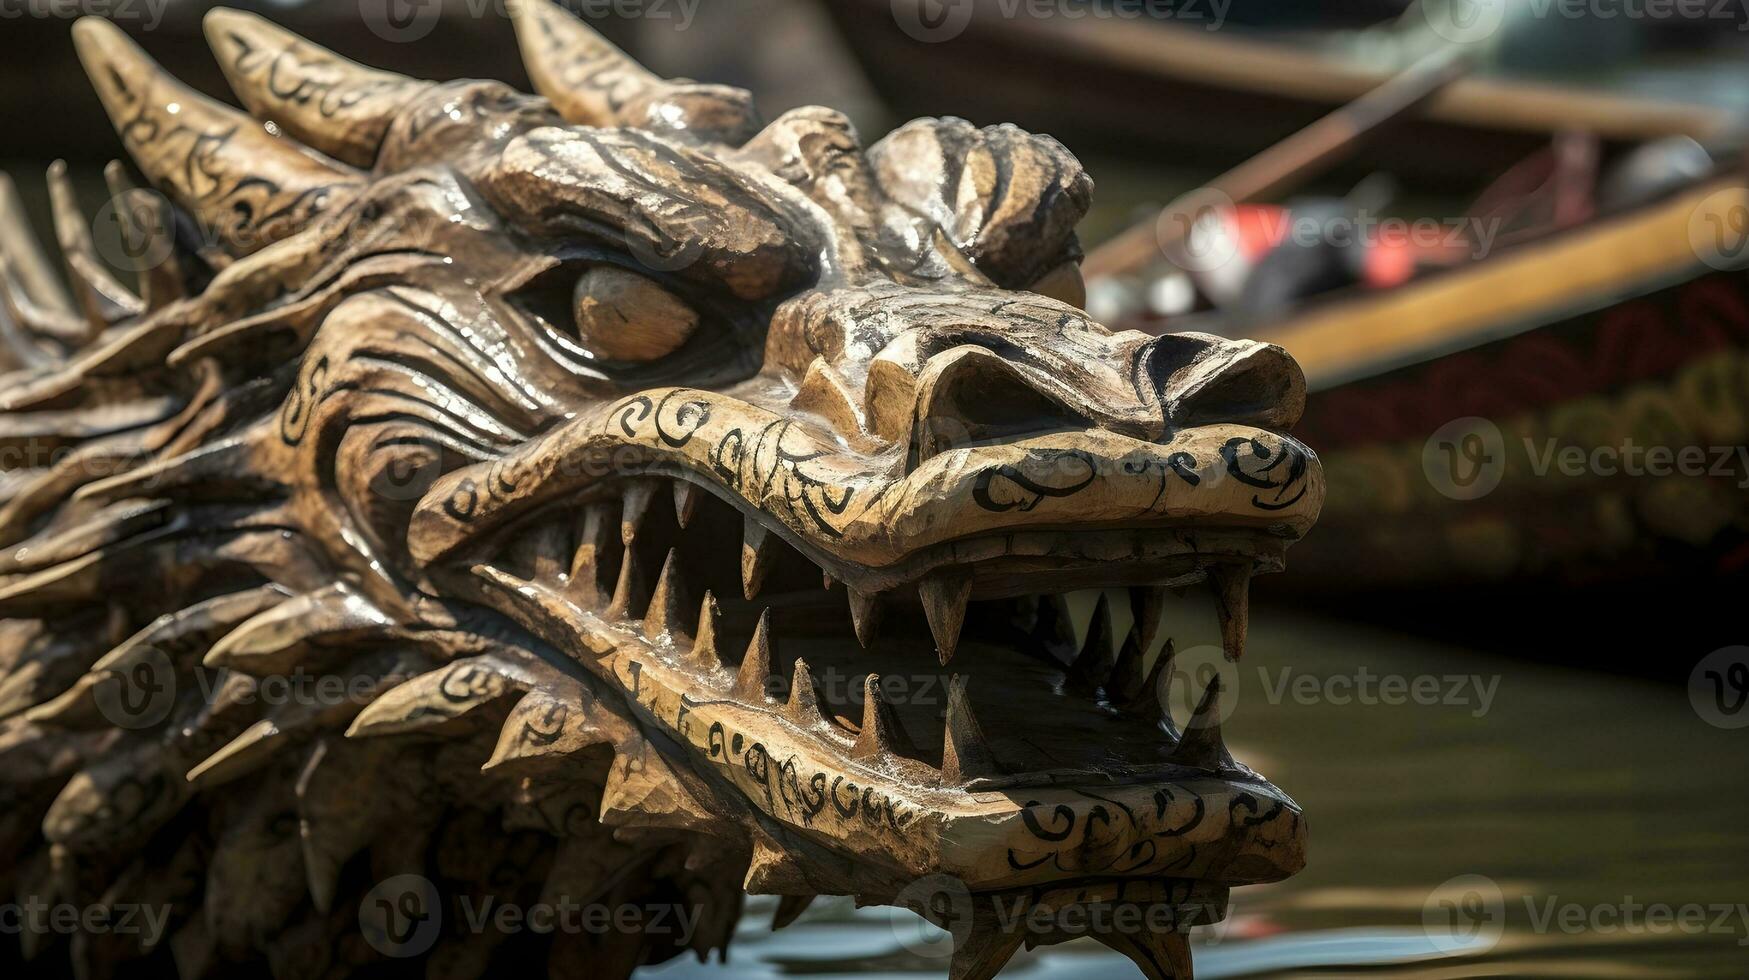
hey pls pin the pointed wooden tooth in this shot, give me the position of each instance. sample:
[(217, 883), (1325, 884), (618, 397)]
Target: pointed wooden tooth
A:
[(881, 734), (789, 909), (594, 537), (545, 552), (803, 708), (773, 870), (987, 948), (686, 497), (1056, 627), (1093, 668), (643, 791), (705, 654), (758, 547), (627, 593), (945, 594), (1162, 954), (667, 613), (1232, 588), (965, 755), (1151, 699), (241, 756), (634, 507), (1148, 602), (865, 615), (754, 677), (100, 297), (1129, 677), (1202, 746)]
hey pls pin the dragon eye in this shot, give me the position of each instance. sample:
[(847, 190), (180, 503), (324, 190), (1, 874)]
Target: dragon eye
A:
[(622, 316)]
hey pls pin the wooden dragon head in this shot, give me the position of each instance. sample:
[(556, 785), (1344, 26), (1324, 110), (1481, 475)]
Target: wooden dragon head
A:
[(536, 423)]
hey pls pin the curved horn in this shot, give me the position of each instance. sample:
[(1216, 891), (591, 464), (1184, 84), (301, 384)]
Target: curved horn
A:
[(593, 83), (102, 299), (337, 106), (29, 263), (220, 165)]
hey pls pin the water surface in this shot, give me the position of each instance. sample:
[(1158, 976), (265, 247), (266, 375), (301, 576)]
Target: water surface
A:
[(1585, 800)]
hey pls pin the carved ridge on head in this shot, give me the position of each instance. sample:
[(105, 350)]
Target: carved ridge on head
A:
[(508, 410)]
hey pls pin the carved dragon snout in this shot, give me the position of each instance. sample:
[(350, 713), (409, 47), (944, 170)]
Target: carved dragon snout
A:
[(642, 471)]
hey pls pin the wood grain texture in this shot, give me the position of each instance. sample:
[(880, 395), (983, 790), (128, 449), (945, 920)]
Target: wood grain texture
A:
[(582, 501)]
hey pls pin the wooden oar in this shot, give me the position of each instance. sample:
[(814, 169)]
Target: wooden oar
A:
[(1300, 156)]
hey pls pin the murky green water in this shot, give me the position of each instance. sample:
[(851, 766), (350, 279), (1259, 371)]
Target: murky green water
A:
[(1591, 803)]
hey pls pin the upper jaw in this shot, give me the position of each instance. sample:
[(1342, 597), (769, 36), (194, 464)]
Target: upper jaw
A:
[(865, 520)]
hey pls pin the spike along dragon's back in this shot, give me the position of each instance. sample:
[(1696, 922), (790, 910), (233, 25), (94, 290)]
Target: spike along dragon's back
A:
[(603, 498)]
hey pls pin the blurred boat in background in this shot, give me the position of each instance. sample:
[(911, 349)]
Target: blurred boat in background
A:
[(1170, 85), (1469, 419), (1542, 412)]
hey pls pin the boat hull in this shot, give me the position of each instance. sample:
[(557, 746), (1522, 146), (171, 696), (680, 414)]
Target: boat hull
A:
[(1182, 93)]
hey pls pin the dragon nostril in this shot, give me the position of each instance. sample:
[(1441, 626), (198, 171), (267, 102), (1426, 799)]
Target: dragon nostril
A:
[(1203, 379), (971, 395)]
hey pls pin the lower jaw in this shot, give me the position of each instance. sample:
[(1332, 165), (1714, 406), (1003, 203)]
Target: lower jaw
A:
[(794, 778)]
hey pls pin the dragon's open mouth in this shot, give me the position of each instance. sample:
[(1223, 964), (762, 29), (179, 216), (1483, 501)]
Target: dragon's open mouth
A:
[(946, 713), (1089, 697)]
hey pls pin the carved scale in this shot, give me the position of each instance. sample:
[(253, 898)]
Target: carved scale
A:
[(684, 505)]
